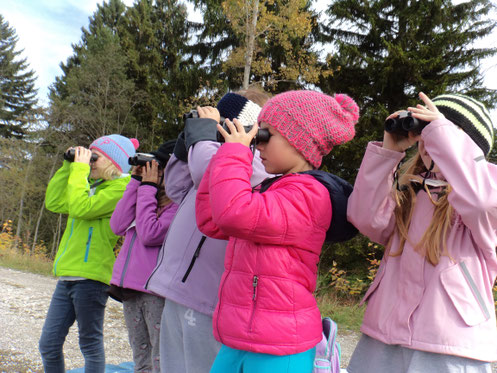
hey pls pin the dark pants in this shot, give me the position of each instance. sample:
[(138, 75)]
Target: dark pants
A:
[(83, 301)]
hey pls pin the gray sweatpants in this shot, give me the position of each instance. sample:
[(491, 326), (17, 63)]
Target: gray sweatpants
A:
[(371, 355), (142, 314), (187, 344)]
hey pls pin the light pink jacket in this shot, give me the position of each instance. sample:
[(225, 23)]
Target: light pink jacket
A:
[(448, 308), (266, 301)]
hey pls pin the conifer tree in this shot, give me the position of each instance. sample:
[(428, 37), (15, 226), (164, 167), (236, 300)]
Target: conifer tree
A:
[(386, 52), (17, 86)]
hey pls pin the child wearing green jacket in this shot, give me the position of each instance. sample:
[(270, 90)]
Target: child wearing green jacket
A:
[(88, 192)]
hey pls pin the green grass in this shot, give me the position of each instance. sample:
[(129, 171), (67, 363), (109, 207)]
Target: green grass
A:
[(347, 314), (25, 262)]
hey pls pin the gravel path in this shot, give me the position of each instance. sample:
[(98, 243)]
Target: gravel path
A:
[(24, 301)]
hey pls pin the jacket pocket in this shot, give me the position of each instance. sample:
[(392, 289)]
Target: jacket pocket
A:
[(88, 243), (194, 259), (464, 294)]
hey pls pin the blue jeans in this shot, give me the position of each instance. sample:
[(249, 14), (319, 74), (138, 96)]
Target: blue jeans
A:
[(83, 301)]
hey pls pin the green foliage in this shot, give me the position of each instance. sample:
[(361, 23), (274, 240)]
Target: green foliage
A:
[(98, 97), (137, 69), (281, 54), (17, 91), (388, 51)]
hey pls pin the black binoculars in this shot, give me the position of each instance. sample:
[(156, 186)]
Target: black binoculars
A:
[(69, 156), (404, 123), (141, 159), (262, 134)]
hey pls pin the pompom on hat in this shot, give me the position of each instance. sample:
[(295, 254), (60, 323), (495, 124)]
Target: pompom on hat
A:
[(312, 122), (469, 114), (117, 149)]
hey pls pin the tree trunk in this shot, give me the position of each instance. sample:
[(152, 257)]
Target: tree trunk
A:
[(40, 214), (250, 38), (21, 203)]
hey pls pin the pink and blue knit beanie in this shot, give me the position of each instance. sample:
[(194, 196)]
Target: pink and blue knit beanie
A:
[(232, 105), (117, 148), (312, 122)]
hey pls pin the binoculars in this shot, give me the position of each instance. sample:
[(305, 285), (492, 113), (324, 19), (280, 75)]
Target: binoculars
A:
[(141, 159), (69, 156), (405, 123), (262, 134)]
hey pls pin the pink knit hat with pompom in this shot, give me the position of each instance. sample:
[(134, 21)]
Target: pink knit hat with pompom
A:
[(312, 121)]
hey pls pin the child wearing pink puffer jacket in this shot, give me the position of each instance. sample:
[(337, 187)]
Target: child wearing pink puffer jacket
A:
[(267, 318)]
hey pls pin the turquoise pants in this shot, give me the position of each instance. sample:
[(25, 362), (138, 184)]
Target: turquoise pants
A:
[(229, 360)]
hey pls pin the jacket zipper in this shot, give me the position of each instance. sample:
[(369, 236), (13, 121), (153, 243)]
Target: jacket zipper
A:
[(90, 233), (65, 247), (255, 282), (195, 256), (128, 256)]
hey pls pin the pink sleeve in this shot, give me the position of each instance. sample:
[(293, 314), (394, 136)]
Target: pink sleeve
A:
[(125, 210), (276, 216), (472, 178), (203, 209), (371, 205)]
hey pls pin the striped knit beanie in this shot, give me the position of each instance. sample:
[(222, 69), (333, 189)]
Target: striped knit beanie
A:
[(117, 149), (312, 121), (469, 114), (233, 105)]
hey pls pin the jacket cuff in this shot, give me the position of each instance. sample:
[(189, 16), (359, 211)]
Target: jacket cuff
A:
[(151, 183), (180, 149), (136, 177), (200, 129)]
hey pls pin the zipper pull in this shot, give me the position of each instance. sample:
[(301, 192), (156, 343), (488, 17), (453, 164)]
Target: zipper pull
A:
[(254, 284)]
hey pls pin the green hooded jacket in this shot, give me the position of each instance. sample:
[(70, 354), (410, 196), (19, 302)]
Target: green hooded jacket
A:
[(87, 246)]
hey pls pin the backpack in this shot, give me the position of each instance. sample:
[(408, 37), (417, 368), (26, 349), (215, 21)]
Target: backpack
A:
[(328, 351)]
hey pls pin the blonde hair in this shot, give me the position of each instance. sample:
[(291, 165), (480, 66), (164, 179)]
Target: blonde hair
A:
[(255, 95), (110, 170), (433, 244)]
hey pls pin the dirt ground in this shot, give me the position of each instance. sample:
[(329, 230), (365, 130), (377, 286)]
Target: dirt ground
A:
[(24, 301)]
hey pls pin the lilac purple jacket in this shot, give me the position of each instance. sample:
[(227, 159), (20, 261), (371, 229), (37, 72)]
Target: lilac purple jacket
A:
[(266, 302), (447, 308), (190, 264), (136, 217)]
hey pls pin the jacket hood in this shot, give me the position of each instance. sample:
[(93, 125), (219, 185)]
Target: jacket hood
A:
[(340, 229)]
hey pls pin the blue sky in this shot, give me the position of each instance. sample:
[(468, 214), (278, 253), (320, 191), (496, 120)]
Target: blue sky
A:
[(47, 28)]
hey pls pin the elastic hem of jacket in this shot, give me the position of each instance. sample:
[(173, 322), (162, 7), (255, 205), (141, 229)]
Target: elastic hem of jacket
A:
[(151, 183)]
